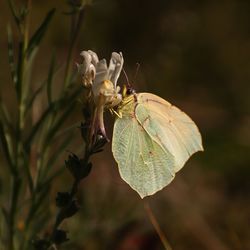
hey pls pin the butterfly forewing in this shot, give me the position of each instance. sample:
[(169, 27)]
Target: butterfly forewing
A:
[(169, 127), (142, 162)]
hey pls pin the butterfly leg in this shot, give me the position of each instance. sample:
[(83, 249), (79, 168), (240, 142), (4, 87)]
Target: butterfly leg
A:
[(113, 112)]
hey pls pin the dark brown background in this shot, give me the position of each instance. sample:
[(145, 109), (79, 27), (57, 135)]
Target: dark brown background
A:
[(195, 54)]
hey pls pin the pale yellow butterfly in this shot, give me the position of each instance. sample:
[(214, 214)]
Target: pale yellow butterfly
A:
[(152, 140)]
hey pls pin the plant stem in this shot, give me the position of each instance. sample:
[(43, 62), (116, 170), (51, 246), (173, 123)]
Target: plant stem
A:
[(16, 181), (60, 216), (156, 226), (13, 205), (87, 153), (27, 25)]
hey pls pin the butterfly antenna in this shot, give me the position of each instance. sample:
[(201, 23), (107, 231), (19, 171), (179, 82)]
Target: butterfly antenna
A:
[(136, 71), (126, 76)]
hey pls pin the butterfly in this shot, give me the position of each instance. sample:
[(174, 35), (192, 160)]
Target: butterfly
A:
[(152, 140)]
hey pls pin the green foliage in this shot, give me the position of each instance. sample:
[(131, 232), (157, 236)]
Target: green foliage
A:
[(32, 145), (39, 34)]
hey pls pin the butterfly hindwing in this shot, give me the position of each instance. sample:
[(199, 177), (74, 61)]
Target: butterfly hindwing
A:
[(142, 162)]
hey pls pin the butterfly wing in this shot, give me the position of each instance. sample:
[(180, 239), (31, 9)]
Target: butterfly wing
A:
[(142, 163), (169, 127)]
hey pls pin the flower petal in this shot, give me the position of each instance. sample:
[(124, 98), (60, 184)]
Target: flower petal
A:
[(115, 67), (87, 68), (94, 57)]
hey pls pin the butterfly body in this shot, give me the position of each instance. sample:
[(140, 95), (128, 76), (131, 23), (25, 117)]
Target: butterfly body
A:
[(152, 140)]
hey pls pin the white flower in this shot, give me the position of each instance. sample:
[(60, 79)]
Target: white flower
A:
[(101, 78), (103, 81), (87, 68)]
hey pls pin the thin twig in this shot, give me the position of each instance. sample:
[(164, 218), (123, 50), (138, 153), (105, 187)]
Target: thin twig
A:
[(156, 226)]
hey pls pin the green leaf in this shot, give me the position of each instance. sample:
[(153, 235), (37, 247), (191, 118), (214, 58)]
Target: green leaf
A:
[(37, 126), (27, 73), (11, 55), (68, 103), (14, 12), (50, 78), (40, 89), (28, 170), (42, 192), (59, 123), (19, 73), (5, 141), (34, 96), (40, 32), (55, 106), (5, 117)]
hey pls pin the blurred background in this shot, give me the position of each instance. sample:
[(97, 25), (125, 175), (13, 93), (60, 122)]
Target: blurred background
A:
[(196, 55)]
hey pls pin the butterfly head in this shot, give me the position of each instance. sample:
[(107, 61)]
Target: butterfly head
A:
[(127, 88), (127, 91)]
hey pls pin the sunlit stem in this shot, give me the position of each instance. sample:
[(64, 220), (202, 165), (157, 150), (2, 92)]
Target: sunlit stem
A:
[(97, 124), (100, 121), (92, 129), (156, 226)]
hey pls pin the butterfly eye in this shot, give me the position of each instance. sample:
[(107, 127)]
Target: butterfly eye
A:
[(130, 91)]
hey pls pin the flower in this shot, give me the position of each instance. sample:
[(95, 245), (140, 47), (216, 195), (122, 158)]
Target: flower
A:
[(102, 80), (87, 68)]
